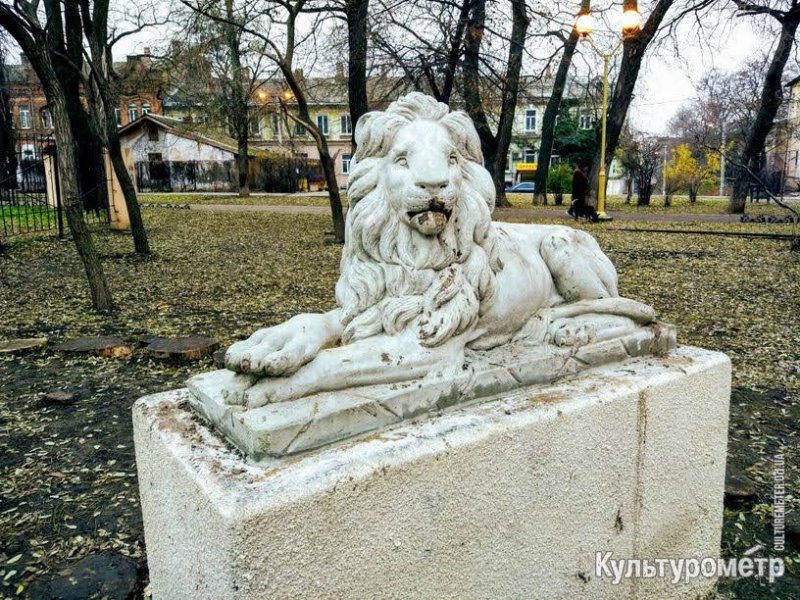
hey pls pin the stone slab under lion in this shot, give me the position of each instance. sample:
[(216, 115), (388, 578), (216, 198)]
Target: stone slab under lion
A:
[(294, 426), (506, 498)]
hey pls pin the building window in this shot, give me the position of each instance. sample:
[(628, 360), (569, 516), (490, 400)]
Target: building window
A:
[(346, 125), (530, 119), (275, 125), (133, 112), (152, 133), (346, 160), (322, 124), (118, 116), (24, 118), (586, 120), (529, 155), (555, 160), (254, 125), (47, 118), (299, 129), (145, 109)]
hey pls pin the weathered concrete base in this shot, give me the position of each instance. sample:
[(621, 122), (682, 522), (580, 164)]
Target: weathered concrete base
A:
[(504, 498)]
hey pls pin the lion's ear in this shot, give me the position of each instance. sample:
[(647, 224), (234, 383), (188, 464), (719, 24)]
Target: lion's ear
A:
[(465, 136), (363, 134)]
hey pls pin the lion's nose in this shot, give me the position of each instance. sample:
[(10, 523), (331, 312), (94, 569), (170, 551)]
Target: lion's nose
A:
[(432, 186)]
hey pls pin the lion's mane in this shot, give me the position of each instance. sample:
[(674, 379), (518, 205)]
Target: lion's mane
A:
[(392, 274)]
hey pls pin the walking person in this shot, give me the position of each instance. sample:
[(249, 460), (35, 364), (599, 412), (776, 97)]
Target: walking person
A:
[(580, 191)]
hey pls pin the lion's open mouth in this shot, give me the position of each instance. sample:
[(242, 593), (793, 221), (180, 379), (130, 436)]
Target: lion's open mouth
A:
[(432, 220), (434, 207)]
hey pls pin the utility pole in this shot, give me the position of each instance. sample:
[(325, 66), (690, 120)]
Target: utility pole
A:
[(722, 164), (664, 173)]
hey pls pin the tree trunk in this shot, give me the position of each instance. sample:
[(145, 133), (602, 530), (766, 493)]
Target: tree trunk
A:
[(445, 92), (67, 167), (473, 102), (103, 98), (356, 14), (42, 48), (239, 116), (494, 147), (329, 169), (771, 98), (140, 242), (328, 165), (633, 51), (549, 119), (243, 166), (505, 125)]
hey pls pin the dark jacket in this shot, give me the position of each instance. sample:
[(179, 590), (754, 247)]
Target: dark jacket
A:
[(580, 185)]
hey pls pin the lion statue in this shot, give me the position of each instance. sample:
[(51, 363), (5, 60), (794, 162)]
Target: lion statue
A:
[(426, 274)]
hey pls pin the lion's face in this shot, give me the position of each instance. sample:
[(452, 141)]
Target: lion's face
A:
[(422, 176)]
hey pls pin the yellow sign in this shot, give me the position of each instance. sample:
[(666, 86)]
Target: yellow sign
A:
[(523, 166)]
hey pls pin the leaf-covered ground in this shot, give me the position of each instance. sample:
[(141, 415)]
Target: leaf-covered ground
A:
[(705, 205), (67, 472)]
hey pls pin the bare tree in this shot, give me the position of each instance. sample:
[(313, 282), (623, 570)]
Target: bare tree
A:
[(221, 66), (634, 48), (46, 45), (102, 85), (641, 156), (787, 17), (424, 40), (495, 146), (276, 24), (551, 113)]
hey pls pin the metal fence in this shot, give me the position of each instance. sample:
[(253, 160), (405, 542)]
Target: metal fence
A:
[(25, 205)]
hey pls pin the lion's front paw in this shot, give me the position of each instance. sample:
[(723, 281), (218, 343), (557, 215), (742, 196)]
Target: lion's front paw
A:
[(569, 332), (269, 353)]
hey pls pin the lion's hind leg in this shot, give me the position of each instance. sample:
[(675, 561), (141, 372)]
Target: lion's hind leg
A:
[(587, 281), (580, 269)]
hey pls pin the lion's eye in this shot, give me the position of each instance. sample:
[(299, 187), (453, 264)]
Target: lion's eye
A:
[(401, 160), (453, 159)]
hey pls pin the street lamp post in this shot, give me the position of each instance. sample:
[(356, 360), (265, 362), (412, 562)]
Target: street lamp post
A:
[(584, 24)]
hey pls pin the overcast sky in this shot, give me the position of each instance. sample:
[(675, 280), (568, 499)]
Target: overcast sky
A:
[(664, 81)]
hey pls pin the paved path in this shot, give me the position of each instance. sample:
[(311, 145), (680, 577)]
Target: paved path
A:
[(500, 213)]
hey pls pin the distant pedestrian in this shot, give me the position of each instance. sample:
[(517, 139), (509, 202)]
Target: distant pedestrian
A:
[(580, 191)]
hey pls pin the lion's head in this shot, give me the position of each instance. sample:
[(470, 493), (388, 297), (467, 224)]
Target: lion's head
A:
[(420, 247)]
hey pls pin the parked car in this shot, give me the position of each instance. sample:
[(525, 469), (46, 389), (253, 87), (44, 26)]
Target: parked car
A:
[(523, 186)]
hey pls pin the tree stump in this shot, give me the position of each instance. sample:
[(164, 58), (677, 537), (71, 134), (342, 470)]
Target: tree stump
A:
[(106, 346), (59, 398), (187, 348), (21, 345)]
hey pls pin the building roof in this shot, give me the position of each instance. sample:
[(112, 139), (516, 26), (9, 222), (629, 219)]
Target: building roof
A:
[(189, 131)]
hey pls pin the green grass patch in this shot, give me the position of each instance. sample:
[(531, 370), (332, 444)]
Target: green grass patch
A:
[(24, 218)]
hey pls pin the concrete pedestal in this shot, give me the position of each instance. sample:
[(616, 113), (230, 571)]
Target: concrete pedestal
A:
[(504, 498)]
